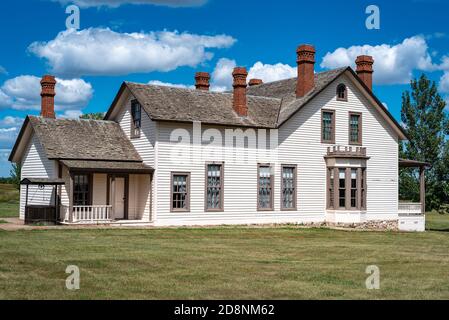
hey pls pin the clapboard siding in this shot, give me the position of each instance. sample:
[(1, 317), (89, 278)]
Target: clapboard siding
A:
[(36, 165), (300, 144), (145, 144)]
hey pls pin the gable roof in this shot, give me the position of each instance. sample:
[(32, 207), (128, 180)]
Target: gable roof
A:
[(269, 104), (80, 139)]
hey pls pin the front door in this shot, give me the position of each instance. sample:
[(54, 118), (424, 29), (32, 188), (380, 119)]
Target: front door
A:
[(120, 198)]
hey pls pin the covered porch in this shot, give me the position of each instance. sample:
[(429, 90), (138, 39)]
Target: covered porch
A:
[(103, 192)]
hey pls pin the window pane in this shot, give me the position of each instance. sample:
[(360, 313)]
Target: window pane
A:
[(81, 190), (214, 186), (342, 188), (327, 126), (354, 128), (265, 187), (353, 188), (180, 192), (288, 187), (331, 187)]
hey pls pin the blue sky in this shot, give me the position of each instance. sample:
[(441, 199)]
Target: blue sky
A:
[(120, 40)]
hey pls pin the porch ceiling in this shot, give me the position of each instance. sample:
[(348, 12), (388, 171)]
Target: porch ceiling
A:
[(107, 166)]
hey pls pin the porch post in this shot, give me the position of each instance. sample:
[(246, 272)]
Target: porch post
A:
[(422, 189), (71, 197), (113, 197)]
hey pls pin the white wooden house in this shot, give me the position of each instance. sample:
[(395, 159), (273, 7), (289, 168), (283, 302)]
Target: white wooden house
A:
[(319, 147)]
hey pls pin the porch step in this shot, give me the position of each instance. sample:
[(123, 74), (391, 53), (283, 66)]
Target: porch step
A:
[(132, 223)]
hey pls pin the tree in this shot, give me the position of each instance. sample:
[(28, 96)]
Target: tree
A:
[(93, 116), (15, 174), (427, 125)]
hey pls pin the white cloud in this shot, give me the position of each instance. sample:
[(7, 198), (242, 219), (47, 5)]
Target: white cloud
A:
[(168, 84), (11, 121), (3, 70), (394, 64), (271, 72), (117, 3), (444, 83), (5, 165), (71, 114), (101, 51), (222, 75), (8, 136), (23, 93)]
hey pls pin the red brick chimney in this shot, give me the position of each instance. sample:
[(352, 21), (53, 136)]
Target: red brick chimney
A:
[(306, 64), (48, 93), (365, 70), (202, 81), (255, 82), (240, 103)]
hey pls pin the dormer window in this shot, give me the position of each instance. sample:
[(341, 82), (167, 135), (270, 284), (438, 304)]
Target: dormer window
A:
[(342, 92), (136, 119)]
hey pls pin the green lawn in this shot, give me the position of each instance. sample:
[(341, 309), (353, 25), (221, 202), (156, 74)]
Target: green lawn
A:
[(223, 263), (9, 201), (437, 222)]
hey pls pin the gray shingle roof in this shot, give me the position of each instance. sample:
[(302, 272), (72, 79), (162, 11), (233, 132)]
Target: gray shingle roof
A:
[(269, 104), (83, 139), (108, 166), (187, 105)]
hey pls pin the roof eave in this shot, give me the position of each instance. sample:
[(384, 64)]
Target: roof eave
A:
[(18, 140)]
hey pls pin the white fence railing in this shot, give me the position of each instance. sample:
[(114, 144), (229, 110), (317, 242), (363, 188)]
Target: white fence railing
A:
[(87, 214), (410, 209)]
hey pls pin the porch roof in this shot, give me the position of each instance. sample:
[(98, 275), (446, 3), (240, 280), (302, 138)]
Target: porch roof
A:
[(406, 163), (107, 166), (41, 181)]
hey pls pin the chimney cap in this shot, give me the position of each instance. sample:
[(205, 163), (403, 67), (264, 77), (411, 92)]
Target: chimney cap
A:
[(305, 47), (202, 74), (202, 80), (255, 82), (239, 71), (364, 58), (48, 79)]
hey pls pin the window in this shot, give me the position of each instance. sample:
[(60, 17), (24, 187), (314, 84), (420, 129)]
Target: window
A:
[(136, 115), (363, 187), (180, 192), (342, 188), (342, 92), (214, 187), (355, 128), (288, 196), (82, 190), (328, 126), (265, 188), (354, 189), (330, 188), (350, 187)]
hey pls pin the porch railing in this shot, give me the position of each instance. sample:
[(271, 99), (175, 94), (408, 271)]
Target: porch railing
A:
[(410, 209), (87, 214)]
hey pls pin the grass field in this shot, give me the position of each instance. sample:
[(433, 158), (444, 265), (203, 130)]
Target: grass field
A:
[(223, 263), (9, 201)]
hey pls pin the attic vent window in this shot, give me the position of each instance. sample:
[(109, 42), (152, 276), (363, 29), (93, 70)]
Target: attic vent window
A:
[(342, 93), (136, 119)]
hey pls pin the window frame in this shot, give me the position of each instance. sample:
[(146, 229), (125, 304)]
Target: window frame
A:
[(333, 121), (188, 192), (345, 92), (135, 130), (361, 190), (360, 127), (221, 208), (295, 185), (89, 192), (270, 166)]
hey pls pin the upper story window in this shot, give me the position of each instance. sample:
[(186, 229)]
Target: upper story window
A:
[(214, 187), (288, 187), (180, 191), (82, 190), (342, 92), (136, 119), (265, 188), (328, 126), (355, 128)]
